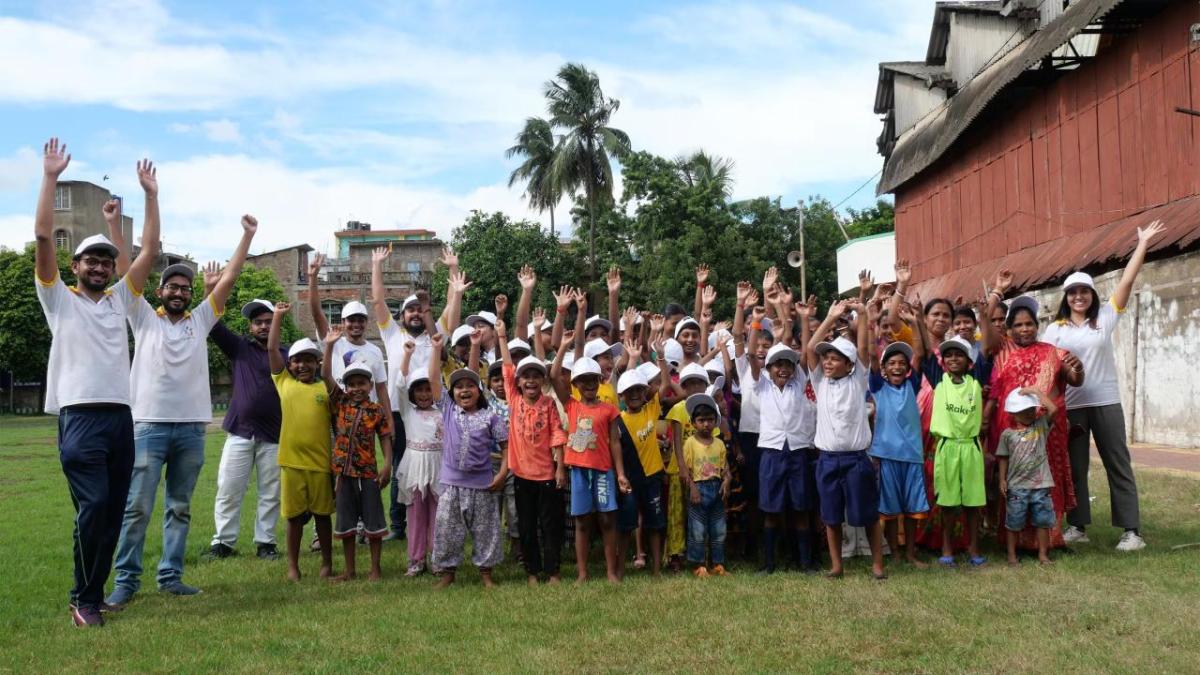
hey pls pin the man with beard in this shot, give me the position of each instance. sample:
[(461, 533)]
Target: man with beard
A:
[(87, 381), (171, 408), (394, 338), (252, 424)]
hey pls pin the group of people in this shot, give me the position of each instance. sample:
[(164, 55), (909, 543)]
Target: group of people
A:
[(906, 421)]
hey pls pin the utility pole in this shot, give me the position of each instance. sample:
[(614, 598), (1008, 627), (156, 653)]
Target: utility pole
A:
[(803, 260)]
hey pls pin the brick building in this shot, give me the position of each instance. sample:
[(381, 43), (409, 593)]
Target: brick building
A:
[(1037, 135)]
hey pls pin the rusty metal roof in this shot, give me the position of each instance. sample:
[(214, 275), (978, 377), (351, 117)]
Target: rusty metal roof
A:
[(1094, 251), (925, 143)]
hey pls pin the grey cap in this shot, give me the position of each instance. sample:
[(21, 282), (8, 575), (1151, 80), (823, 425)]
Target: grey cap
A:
[(178, 269), (897, 348), (696, 400), (465, 374)]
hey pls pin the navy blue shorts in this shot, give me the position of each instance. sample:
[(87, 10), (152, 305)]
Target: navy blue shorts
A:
[(848, 488), (1034, 504), (786, 481), (646, 500)]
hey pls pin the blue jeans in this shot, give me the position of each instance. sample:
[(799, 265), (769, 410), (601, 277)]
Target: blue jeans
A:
[(179, 446), (706, 520)]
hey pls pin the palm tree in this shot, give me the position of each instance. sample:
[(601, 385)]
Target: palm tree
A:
[(578, 108), (535, 143), (703, 169)]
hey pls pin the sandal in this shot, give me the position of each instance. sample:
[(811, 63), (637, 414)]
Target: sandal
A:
[(639, 561), (947, 561), (978, 561)]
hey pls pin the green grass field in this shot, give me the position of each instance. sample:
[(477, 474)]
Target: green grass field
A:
[(1096, 610)]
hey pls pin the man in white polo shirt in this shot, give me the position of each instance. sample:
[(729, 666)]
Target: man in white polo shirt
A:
[(87, 381), (171, 408)]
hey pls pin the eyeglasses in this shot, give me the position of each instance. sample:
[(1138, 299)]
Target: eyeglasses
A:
[(177, 288), (102, 263)]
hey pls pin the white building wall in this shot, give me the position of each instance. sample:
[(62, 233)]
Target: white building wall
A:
[(977, 40), (913, 99)]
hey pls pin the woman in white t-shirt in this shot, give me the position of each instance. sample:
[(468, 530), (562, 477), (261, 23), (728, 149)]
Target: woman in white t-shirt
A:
[(1084, 326)]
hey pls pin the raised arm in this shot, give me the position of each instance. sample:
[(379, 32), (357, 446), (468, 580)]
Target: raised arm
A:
[(991, 341), (329, 340), (903, 278), (562, 302), (452, 314), (1124, 289), (918, 348), (872, 338), (707, 298), (539, 349), (314, 296), (580, 321), (614, 290), (561, 387), (435, 365), (804, 312), (112, 218), (862, 333), (744, 292), (378, 293), (473, 355), (783, 314), (701, 279), (528, 280), (274, 358), (139, 269), (54, 161), (1045, 401), (220, 292), (836, 310)]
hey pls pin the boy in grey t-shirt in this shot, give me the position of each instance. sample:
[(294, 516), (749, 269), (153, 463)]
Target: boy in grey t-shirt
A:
[(1025, 478)]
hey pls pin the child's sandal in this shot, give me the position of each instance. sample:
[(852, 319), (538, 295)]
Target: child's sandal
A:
[(978, 561), (947, 561)]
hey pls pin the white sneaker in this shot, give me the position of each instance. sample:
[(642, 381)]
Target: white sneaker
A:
[(1131, 541), (1074, 535)]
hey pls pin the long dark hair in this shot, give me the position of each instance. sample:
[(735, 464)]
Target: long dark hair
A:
[(1012, 316), (1093, 310), (940, 301)]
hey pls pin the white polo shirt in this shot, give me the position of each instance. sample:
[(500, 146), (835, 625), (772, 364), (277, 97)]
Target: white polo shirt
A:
[(842, 411), (169, 378), (346, 352), (780, 417), (750, 406), (394, 339), (89, 348), (1094, 348)]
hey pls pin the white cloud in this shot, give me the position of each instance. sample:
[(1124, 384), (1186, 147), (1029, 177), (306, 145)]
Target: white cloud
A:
[(20, 170), (222, 131)]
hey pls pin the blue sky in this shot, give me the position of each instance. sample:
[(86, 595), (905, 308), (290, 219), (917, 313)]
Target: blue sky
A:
[(307, 114)]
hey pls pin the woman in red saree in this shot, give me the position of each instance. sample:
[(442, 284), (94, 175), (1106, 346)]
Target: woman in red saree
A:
[(1020, 360)]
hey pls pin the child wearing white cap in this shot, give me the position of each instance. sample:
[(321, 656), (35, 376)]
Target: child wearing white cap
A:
[(1025, 478), (420, 465), (354, 345), (693, 379)]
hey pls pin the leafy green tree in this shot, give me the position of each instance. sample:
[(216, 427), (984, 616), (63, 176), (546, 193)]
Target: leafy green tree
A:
[(252, 283), (491, 249), (24, 333), (535, 143), (872, 220), (578, 106), (702, 168)]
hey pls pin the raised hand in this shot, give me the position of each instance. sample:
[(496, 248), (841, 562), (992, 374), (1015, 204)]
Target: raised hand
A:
[(334, 334), (410, 346), (808, 308), (772, 293), (1144, 234), (379, 254), (758, 313), (147, 177), (449, 258), (539, 318), (459, 283), (751, 298), (249, 224), (906, 313), (744, 289), (630, 316), (614, 279), (315, 265), (527, 278), (54, 158), (701, 273), (657, 322), (837, 309), (422, 299), (501, 328), (282, 308), (581, 300), (784, 297), (435, 341), (563, 298), (708, 296), (501, 304), (112, 212), (568, 340), (212, 275), (769, 279), (1004, 280), (865, 281), (903, 273)]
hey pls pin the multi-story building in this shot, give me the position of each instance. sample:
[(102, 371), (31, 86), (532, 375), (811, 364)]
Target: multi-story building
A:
[(78, 215), (347, 276)]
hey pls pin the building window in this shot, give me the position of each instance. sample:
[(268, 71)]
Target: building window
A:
[(394, 306), (62, 240), (62, 198), (332, 310), (413, 266)]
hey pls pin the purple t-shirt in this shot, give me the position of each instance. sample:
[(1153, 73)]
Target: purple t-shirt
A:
[(254, 408), (467, 448)]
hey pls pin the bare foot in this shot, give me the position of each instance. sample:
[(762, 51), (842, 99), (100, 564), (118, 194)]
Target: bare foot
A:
[(445, 580), (835, 573), (326, 571), (878, 573), (533, 580), (375, 575), (614, 579), (579, 581), (293, 573), (344, 576), (553, 580), (918, 564), (1013, 562), (486, 577), (1045, 561)]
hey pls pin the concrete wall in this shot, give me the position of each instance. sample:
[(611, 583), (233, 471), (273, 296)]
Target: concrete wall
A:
[(1157, 348)]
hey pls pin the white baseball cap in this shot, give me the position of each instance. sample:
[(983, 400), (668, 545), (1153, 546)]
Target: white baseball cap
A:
[(533, 327), (649, 370), (354, 308), (1015, 402), (486, 317), (1078, 279), (597, 320), (415, 380), (584, 366), (304, 346), (693, 371), (410, 300), (569, 361), (673, 353), (630, 379), (531, 362), (461, 332), (686, 322), (256, 306), (781, 352), (96, 242), (715, 366), (840, 345), (517, 344), (957, 342), (595, 347), (357, 368), (637, 322)]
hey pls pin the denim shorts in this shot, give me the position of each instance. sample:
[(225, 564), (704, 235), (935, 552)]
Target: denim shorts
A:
[(646, 500), (592, 491), (1034, 503)]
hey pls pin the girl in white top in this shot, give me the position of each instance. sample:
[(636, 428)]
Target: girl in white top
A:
[(417, 475), (1084, 326)]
